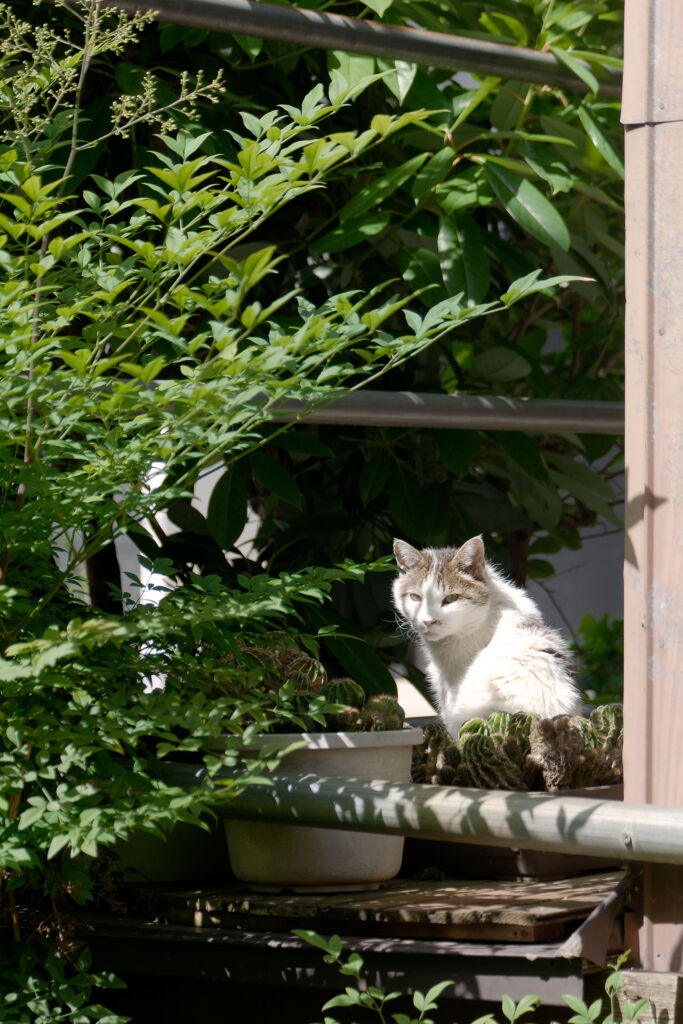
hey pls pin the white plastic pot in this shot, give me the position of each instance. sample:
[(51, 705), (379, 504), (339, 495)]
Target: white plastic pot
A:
[(316, 859)]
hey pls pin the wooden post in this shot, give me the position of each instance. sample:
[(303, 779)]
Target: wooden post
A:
[(653, 570)]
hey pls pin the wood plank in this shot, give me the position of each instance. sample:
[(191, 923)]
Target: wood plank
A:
[(484, 911), (664, 990), (653, 87), (653, 569)]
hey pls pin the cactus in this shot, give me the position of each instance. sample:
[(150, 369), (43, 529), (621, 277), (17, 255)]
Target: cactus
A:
[(429, 757), (556, 748), (475, 725), (306, 672), (607, 724), (525, 751), (498, 721), (344, 691), (382, 712), (347, 719), (488, 763), (281, 663)]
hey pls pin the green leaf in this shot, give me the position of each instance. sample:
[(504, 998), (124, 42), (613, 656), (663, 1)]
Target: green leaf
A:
[(526, 1004), (584, 494), (351, 233), (578, 1006), (252, 45), (500, 365), (601, 142), (583, 473), (529, 284), (313, 939), (524, 450), (545, 162), (183, 514), (227, 511), (540, 568), (418, 509), (374, 194), (507, 106), (400, 81), (129, 77), (380, 7), (373, 476), (57, 844), (457, 449), (578, 67), (527, 206), (508, 1007), (347, 70), (487, 86), (358, 659), (435, 991), (540, 500), (275, 478), (421, 268), (464, 264), (432, 173)]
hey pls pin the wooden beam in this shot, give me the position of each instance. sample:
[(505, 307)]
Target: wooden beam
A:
[(653, 570), (665, 992)]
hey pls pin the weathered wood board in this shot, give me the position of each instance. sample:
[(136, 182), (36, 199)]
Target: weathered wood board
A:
[(510, 911)]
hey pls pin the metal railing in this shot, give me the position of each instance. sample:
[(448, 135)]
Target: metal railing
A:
[(336, 32), (471, 412), (535, 821)]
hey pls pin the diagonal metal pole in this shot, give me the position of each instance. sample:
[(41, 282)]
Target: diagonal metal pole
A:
[(336, 32), (470, 412)]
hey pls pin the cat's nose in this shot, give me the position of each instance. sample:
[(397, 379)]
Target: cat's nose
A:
[(430, 622)]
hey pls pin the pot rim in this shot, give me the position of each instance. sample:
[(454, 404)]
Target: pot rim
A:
[(408, 736)]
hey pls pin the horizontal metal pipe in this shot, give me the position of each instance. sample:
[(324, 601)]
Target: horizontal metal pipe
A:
[(410, 409), (336, 32), (535, 821)]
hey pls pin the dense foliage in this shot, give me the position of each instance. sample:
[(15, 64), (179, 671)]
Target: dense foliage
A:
[(503, 180), (179, 251)]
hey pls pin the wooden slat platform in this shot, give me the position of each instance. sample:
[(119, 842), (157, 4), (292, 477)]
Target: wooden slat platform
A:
[(505, 911)]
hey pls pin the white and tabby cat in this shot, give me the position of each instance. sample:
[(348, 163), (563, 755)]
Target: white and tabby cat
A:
[(487, 646)]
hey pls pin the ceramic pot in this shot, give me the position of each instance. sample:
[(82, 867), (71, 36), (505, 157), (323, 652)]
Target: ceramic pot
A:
[(304, 859)]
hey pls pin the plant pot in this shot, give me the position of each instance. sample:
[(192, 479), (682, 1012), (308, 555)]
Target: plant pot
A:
[(304, 859), (187, 853)]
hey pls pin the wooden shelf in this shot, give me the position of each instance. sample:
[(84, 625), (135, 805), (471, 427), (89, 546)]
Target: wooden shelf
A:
[(505, 911)]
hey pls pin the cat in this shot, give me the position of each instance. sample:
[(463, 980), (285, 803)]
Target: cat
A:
[(487, 646)]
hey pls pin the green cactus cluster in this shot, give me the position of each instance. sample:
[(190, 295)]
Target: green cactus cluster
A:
[(525, 752), (358, 713), (298, 685)]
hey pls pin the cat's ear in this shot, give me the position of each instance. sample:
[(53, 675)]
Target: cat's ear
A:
[(471, 558), (406, 555)]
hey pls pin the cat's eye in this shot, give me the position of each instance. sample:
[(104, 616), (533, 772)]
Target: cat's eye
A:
[(415, 597), (450, 598)]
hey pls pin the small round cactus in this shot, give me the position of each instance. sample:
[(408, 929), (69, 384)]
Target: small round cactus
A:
[(488, 763), (347, 719), (556, 748), (344, 691), (382, 712), (306, 672), (474, 725)]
